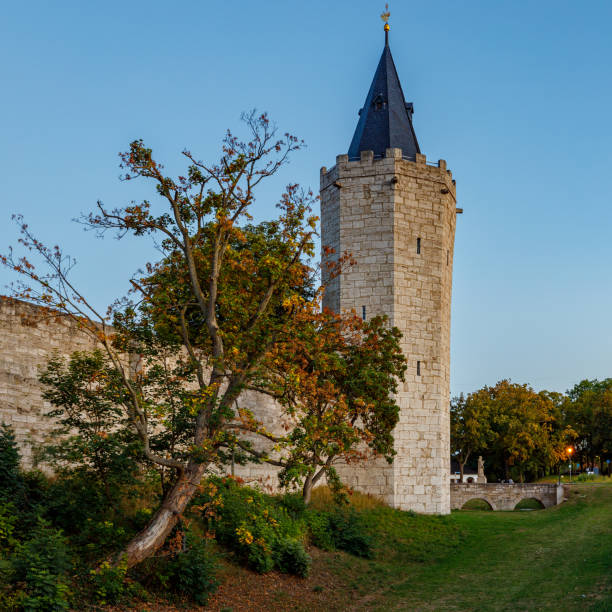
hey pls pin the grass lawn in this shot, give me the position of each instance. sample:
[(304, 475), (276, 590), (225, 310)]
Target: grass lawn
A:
[(578, 479), (556, 559)]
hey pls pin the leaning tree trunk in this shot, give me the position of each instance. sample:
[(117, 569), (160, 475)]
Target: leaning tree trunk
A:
[(307, 489), (310, 482), (153, 536)]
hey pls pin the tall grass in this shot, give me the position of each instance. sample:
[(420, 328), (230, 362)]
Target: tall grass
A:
[(323, 499), (586, 478)]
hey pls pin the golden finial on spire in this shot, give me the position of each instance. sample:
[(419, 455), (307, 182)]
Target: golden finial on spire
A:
[(385, 17)]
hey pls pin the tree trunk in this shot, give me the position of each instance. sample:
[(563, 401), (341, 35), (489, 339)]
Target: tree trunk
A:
[(507, 468), (307, 489), (153, 536), (461, 466), (311, 481)]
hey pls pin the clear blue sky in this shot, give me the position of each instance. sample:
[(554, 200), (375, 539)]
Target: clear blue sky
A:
[(516, 96)]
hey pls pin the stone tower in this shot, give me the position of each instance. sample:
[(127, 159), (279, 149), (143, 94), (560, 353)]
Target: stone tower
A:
[(395, 213)]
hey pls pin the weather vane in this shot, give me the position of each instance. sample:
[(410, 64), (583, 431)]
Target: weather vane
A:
[(385, 17)]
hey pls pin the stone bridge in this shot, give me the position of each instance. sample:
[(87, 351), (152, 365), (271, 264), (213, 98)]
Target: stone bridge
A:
[(505, 496)]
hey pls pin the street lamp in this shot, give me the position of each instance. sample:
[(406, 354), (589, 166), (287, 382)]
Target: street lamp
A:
[(569, 451)]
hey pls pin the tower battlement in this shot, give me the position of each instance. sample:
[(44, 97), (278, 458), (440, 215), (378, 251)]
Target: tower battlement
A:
[(347, 167)]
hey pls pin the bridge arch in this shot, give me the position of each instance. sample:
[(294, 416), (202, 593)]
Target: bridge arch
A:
[(474, 502), (530, 503), (504, 496)]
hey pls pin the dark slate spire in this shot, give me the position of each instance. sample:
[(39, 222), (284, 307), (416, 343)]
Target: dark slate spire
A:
[(386, 119)]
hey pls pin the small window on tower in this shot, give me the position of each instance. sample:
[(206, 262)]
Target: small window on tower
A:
[(418, 368), (418, 246), (447, 257), (363, 313), (379, 102)]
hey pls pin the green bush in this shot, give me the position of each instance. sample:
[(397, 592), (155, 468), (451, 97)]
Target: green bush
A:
[(8, 521), (108, 582), (258, 557), (71, 501), (349, 533), (42, 563), (294, 504), (250, 523), (320, 529), (11, 481), (102, 537), (267, 532), (192, 573), (291, 558), (46, 591), (95, 526), (13, 600), (340, 529)]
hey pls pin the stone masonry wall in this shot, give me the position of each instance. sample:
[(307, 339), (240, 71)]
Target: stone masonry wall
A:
[(28, 337), (385, 207)]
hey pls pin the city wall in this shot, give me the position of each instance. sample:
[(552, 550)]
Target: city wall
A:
[(29, 336)]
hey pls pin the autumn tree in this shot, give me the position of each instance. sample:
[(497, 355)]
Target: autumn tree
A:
[(471, 426), (589, 410), (521, 431), (336, 381), (206, 318)]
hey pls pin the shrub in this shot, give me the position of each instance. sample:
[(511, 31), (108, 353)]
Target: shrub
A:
[(258, 556), (41, 562), (291, 558), (47, 592), (46, 548), (8, 520), (102, 537), (11, 482), (193, 572), (349, 533), (95, 445), (294, 504), (251, 523), (341, 529), (73, 500), (320, 529), (108, 582), (12, 601)]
